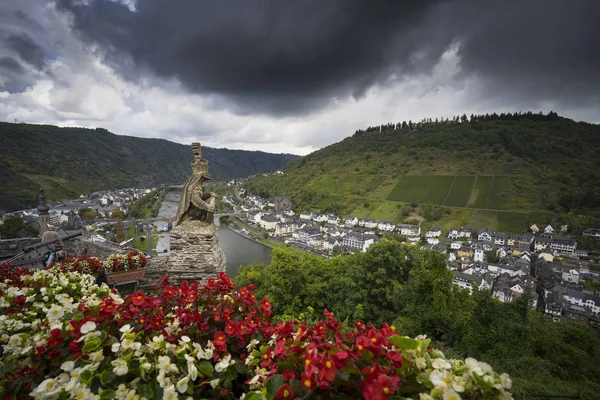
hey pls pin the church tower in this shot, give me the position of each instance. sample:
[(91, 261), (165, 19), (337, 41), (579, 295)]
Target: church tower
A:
[(44, 216)]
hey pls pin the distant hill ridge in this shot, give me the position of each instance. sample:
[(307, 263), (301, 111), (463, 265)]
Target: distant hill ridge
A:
[(72, 161), (480, 165)]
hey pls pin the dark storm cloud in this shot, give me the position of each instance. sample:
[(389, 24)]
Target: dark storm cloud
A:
[(27, 49), (11, 64), (281, 56), (532, 50)]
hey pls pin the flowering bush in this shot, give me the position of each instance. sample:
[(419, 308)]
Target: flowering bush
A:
[(125, 262), (83, 264), (64, 337)]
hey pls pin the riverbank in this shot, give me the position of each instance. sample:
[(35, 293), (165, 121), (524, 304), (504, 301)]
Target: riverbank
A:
[(250, 233)]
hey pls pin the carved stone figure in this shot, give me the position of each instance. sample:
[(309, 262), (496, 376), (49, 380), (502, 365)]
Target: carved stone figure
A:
[(195, 205)]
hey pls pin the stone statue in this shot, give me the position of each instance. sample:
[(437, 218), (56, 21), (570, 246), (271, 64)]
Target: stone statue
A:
[(195, 205)]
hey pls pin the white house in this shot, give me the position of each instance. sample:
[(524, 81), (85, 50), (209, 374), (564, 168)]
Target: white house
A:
[(433, 240), (408, 230), (453, 233), (330, 243), (455, 245), (333, 219), (434, 232), (269, 222), (307, 215), (570, 275), (484, 236), (351, 222), (549, 229), (479, 254), (387, 226), (370, 223), (357, 241), (583, 299)]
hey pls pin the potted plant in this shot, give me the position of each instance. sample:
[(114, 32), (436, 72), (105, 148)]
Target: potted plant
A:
[(125, 267)]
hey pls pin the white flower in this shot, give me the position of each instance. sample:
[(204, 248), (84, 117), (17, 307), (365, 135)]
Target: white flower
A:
[(505, 381), (47, 387), (120, 367), (251, 345), (125, 329), (440, 379), (421, 363), (192, 370), (182, 385), (214, 383), (115, 347), (96, 356), (165, 365), (223, 364), (15, 340), (451, 395), (185, 339), (68, 366), (83, 392), (87, 327), (170, 393), (440, 363), (55, 312), (130, 344)]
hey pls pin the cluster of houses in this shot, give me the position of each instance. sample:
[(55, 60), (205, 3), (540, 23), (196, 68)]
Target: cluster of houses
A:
[(65, 213), (509, 265)]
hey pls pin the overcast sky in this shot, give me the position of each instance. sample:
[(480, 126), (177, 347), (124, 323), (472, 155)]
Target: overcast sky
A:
[(291, 76)]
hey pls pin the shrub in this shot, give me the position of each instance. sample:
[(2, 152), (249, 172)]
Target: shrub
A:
[(65, 337)]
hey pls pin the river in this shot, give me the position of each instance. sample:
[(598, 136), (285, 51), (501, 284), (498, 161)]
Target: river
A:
[(237, 249)]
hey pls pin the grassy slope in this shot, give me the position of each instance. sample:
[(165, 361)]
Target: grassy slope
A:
[(71, 161), (515, 169)]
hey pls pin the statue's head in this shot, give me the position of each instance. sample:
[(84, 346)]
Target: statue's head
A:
[(200, 168)]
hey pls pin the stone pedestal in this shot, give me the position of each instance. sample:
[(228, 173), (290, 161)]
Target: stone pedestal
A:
[(195, 254)]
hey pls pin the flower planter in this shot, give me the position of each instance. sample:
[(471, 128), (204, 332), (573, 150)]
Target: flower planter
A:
[(125, 276)]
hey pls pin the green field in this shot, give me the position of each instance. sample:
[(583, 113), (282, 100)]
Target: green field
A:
[(509, 221), (458, 217), (461, 191), (386, 211), (404, 185), (481, 192), (430, 189), (500, 194), (484, 219)]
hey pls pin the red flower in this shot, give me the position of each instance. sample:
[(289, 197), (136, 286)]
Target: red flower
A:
[(219, 341), (380, 388), (139, 299), (327, 372), (284, 392), (265, 306), (308, 382)]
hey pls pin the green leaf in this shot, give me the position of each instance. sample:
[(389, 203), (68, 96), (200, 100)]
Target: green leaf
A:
[(404, 342), (298, 388), (146, 391), (107, 394), (86, 376), (92, 345), (254, 396), (367, 355), (107, 376), (205, 368), (272, 384)]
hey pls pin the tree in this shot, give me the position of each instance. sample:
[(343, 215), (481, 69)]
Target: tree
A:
[(117, 213), (13, 227), (86, 213)]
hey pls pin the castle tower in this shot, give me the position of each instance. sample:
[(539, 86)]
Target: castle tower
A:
[(44, 216)]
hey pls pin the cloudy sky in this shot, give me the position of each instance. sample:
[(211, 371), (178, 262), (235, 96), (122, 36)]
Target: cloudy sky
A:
[(291, 76)]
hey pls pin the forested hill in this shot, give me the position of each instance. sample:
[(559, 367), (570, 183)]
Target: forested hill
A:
[(487, 162), (71, 161)]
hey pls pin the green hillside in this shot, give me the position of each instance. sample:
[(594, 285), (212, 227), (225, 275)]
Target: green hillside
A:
[(498, 171), (68, 162)]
